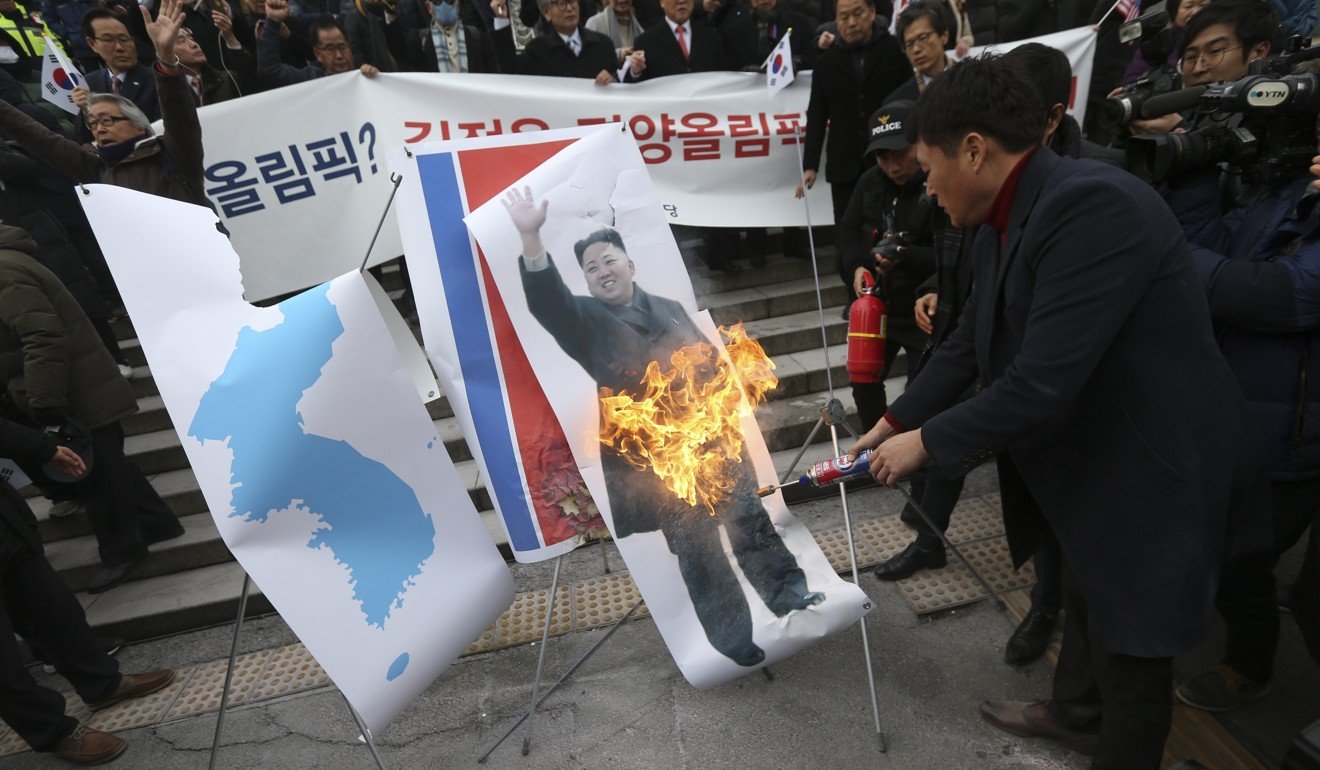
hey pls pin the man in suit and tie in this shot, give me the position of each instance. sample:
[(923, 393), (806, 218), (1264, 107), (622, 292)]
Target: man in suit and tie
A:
[(852, 78), (123, 75), (1119, 428), (676, 46), (566, 50)]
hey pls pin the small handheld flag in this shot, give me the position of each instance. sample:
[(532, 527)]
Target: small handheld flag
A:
[(59, 77), (779, 67)]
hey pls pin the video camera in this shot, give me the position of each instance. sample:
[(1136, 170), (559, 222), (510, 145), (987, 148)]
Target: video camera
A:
[(1154, 40), (1263, 126)]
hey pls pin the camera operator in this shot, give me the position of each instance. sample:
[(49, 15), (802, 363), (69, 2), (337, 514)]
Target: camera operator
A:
[(1260, 265), (1217, 45), (886, 233)]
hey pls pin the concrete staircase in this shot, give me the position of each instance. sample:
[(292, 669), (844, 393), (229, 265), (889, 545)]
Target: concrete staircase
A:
[(193, 581)]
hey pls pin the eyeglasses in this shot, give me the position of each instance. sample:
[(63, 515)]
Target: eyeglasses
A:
[(105, 121), (117, 41), (334, 48), (922, 39), (562, 4), (1210, 59)]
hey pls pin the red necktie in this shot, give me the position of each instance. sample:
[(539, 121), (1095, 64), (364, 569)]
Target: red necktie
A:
[(680, 30)]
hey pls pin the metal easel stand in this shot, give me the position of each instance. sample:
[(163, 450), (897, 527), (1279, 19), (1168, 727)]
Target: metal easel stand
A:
[(229, 678), (549, 691), (832, 414)]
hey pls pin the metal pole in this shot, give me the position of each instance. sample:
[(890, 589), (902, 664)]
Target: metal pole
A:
[(857, 579), (617, 624), (834, 439), (540, 659), (366, 734), (229, 672), (397, 180), (604, 554), (788, 474), (815, 271)]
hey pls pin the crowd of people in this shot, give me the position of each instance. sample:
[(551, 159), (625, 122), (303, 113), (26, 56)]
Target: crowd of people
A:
[(1121, 379)]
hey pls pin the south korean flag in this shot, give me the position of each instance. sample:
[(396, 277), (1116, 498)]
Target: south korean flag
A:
[(59, 77), (779, 67)]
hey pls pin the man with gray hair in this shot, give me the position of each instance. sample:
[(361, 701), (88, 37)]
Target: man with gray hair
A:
[(124, 150)]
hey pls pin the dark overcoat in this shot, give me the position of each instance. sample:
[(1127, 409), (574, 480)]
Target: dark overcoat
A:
[(1122, 428)]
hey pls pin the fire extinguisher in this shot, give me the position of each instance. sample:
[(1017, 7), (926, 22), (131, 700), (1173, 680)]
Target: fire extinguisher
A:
[(866, 335)]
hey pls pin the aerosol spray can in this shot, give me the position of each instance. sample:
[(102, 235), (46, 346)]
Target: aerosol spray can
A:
[(840, 469)]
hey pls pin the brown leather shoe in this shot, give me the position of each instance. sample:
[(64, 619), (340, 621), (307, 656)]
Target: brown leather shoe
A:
[(85, 746), (1033, 720), (135, 686)]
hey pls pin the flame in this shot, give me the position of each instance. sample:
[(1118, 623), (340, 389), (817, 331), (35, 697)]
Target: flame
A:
[(685, 424)]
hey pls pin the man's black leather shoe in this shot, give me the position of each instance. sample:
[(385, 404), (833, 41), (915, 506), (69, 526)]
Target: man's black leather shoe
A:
[(910, 561), (1030, 639), (108, 576)]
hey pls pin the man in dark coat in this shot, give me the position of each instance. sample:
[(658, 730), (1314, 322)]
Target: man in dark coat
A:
[(58, 373), (36, 600), (566, 51), (1260, 266), (677, 45), (852, 78), (1097, 368), (329, 45), (448, 44), (614, 335), (752, 35), (123, 74)]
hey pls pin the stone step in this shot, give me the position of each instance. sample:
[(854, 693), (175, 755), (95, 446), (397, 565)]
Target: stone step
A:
[(778, 269)]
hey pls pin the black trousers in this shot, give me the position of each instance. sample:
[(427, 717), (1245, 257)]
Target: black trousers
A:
[(37, 601), (124, 510), (767, 564), (870, 398), (1127, 700), (1247, 591)]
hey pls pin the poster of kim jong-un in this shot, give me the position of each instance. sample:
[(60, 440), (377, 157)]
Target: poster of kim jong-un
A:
[(657, 414)]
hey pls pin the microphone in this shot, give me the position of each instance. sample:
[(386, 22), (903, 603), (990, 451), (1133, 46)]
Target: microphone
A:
[(1176, 101)]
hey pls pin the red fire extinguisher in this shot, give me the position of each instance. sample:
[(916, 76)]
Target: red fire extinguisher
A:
[(866, 335)]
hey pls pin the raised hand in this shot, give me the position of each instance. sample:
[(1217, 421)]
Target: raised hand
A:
[(164, 30), (526, 215), (277, 11)]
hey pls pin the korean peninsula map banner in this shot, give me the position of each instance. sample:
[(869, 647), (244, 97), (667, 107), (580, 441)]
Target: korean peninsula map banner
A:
[(315, 454)]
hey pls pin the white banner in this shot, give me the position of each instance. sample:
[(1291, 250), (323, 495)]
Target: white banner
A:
[(316, 457), (297, 173), (1078, 45)]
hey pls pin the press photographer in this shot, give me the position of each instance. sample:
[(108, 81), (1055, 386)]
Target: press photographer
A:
[(1218, 45), (1260, 265)]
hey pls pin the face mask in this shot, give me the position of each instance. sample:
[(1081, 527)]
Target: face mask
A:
[(446, 14)]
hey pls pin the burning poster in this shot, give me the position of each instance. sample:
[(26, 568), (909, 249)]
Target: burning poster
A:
[(658, 416)]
